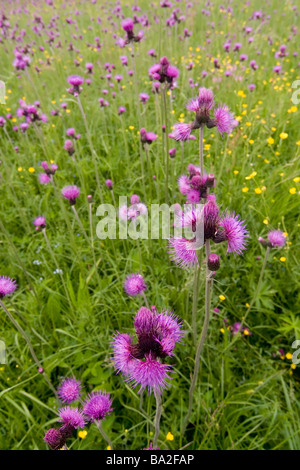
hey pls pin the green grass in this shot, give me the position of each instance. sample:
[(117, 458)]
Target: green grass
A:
[(246, 396)]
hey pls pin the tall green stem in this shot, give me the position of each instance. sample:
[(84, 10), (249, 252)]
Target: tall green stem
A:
[(167, 157), (208, 293), (103, 433), (157, 417), (201, 155)]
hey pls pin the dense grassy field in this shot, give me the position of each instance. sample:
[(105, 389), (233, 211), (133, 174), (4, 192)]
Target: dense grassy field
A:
[(70, 299)]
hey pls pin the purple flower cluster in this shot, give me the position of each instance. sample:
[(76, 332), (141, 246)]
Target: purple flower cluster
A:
[(213, 226), (135, 209), (202, 105), (96, 407), (164, 72), (141, 362), (194, 185)]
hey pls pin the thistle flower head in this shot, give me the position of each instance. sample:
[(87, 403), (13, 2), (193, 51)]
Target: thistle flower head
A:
[(149, 374), (72, 417), (7, 286), (134, 284), (54, 439), (71, 193), (202, 105), (69, 390), (97, 406), (141, 362), (39, 222), (235, 232), (276, 238)]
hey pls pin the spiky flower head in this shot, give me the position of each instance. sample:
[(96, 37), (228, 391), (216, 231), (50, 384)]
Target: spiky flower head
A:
[(71, 193), (7, 286), (39, 222), (276, 238), (98, 405), (134, 284), (54, 439), (141, 362), (69, 390), (223, 119), (72, 417)]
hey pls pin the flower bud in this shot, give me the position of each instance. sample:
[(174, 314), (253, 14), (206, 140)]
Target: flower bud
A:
[(213, 262)]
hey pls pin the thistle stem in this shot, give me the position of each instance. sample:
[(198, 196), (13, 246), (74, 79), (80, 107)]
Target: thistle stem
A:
[(166, 141), (208, 293), (25, 337), (201, 156), (157, 417), (103, 433)]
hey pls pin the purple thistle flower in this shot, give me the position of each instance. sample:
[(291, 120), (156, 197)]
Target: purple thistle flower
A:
[(181, 252), (7, 286), (224, 119), (181, 131), (235, 232), (157, 335), (122, 352), (150, 374), (276, 238), (69, 390), (127, 25), (71, 417), (71, 193), (134, 284), (44, 178), (54, 439), (39, 222), (201, 106), (147, 137), (75, 80), (97, 405)]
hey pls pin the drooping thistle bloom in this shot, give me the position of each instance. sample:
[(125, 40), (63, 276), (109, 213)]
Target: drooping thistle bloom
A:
[(97, 406), (276, 239), (202, 106), (164, 72), (71, 193), (69, 390), (217, 228), (134, 284), (195, 186), (7, 286), (141, 362)]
